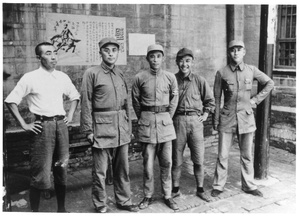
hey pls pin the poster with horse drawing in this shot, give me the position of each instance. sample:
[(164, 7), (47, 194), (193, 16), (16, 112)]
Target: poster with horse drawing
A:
[(76, 37)]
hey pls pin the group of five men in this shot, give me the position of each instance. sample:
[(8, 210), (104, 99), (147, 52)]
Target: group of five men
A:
[(170, 108)]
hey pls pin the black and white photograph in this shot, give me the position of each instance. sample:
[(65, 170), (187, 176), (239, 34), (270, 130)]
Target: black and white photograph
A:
[(139, 107)]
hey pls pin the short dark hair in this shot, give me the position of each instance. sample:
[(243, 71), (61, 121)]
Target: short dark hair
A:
[(38, 47)]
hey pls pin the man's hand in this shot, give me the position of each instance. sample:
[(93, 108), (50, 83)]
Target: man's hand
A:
[(68, 119), (203, 117), (90, 138), (253, 104), (34, 127)]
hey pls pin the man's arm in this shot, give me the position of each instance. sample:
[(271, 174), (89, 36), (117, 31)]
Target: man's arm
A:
[(71, 112), (135, 96), (207, 100), (35, 127), (263, 79), (173, 96), (217, 95)]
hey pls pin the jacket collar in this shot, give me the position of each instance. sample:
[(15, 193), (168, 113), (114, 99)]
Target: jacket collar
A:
[(106, 68), (240, 66), (189, 76)]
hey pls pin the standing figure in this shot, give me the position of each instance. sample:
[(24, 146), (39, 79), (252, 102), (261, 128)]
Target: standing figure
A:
[(44, 89), (154, 99), (236, 117), (195, 103), (105, 118)]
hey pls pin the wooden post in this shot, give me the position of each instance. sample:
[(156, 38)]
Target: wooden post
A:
[(261, 153)]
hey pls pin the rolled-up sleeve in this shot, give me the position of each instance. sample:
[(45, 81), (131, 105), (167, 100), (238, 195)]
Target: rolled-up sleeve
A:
[(20, 90), (71, 90), (86, 93)]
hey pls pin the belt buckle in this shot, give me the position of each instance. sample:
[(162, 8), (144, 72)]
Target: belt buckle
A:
[(156, 109), (185, 113), (54, 118)]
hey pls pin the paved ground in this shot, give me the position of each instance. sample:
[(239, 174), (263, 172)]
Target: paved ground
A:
[(279, 189)]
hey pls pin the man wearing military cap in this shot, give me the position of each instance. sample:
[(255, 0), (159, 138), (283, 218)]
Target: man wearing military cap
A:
[(105, 119), (195, 103), (154, 99), (236, 117)]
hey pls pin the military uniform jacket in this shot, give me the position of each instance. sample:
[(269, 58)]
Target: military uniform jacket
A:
[(235, 82), (155, 89), (104, 107)]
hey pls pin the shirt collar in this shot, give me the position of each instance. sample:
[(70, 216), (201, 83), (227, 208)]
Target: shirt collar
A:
[(44, 71), (189, 76), (155, 72), (239, 67), (106, 68)]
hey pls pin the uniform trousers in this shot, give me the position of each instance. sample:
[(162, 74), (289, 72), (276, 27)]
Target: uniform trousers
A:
[(245, 142), (188, 131), (163, 151), (121, 181)]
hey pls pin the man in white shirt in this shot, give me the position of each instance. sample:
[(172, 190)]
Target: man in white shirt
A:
[(44, 89)]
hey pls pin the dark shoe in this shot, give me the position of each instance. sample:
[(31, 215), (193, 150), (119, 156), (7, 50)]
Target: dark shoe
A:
[(215, 193), (203, 196), (176, 194), (102, 209), (255, 192), (145, 203), (131, 208), (171, 204)]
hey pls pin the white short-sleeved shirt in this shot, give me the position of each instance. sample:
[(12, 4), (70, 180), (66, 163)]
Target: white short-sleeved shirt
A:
[(44, 92)]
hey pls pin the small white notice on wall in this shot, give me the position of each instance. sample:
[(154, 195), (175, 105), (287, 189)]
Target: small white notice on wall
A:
[(138, 43)]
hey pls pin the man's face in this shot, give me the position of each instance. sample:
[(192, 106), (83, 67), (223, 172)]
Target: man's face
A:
[(48, 57), (155, 59), (185, 64), (237, 54), (109, 54)]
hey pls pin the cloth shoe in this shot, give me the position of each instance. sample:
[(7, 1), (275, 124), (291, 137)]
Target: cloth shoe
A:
[(176, 194), (131, 208), (171, 204), (215, 193), (203, 196), (102, 209), (255, 192), (145, 203)]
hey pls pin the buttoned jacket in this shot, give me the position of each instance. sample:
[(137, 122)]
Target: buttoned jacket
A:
[(155, 89), (236, 82), (105, 88)]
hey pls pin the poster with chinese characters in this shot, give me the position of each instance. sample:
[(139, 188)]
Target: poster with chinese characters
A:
[(77, 36)]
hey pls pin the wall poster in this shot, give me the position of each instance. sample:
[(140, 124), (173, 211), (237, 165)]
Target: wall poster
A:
[(77, 36)]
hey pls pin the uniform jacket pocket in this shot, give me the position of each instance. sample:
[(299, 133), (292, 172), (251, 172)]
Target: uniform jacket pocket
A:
[(105, 126), (144, 128)]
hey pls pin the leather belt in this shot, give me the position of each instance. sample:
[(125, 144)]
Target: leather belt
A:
[(155, 109), (188, 113), (47, 118), (107, 109)]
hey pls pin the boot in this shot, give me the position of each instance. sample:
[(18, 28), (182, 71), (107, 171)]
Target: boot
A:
[(34, 199), (60, 191)]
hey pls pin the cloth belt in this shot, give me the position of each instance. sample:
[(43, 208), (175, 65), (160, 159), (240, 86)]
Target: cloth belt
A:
[(155, 109), (188, 113), (51, 118), (107, 109)]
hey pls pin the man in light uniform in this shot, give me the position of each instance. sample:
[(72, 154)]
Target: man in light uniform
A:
[(236, 117), (154, 99)]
